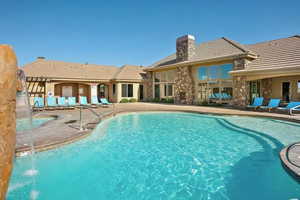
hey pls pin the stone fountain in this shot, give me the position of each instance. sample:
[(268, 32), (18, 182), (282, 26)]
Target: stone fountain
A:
[(8, 88)]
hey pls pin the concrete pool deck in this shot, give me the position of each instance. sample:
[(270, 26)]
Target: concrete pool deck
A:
[(65, 128)]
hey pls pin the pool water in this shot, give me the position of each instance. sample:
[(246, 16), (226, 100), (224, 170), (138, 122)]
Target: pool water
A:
[(166, 156), (24, 124)]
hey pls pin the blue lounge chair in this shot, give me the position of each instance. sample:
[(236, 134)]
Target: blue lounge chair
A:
[(72, 101), (226, 96), (292, 106), (273, 103), (212, 96), (218, 96), (51, 102), (258, 101), (38, 103), (104, 101), (95, 101), (62, 101), (83, 101)]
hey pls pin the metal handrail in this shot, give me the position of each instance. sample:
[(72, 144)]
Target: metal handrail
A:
[(80, 116), (81, 128)]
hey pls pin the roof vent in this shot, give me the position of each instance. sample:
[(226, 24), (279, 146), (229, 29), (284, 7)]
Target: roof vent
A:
[(41, 58)]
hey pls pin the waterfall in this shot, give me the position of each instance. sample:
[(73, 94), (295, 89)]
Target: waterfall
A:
[(24, 112)]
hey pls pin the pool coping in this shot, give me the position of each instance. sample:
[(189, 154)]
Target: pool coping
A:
[(292, 170)]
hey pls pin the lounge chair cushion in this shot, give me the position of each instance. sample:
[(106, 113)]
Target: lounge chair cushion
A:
[(51, 101), (72, 101), (104, 101), (83, 100), (258, 101), (62, 101), (38, 102), (273, 103)]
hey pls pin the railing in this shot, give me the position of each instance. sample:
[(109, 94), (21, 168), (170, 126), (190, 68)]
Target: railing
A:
[(81, 127)]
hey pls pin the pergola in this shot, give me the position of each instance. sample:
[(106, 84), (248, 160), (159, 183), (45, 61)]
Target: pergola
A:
[(36, 86)]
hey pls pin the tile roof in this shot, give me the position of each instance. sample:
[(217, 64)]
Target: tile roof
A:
[(130, 72), (68, 70), (278, 53), (222, 47)]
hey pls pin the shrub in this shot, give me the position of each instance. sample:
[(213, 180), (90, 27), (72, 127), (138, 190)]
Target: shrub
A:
[(156, 100), (169, 100), (163, 100), (132, 100), (124, 101)]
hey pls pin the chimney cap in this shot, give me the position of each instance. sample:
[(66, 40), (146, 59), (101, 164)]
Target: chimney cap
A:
[(185, 37), (41, 58)]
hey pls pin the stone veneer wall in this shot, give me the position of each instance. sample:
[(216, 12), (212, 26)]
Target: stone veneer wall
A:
[(241, 91), (266, 88), (240, 64), (8, 84), (184, 86), (241, 87), (148, 83)]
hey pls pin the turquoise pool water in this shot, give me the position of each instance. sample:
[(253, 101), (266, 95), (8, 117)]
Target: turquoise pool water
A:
[(166, 156), (24, 124)]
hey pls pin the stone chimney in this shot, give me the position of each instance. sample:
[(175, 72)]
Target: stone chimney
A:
[(41, 58), (185, 48)]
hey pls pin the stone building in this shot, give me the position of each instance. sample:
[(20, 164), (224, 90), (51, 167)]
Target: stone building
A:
[(49, 77), (194, 73)]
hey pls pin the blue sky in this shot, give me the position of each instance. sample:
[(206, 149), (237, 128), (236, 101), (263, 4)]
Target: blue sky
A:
[(140, 32)]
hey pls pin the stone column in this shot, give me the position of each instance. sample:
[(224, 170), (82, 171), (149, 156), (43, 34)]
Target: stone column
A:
[(241, 91), (266, 86), (149, 86), (8, 71), (184, 86)]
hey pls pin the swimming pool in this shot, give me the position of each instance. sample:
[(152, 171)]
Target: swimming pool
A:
[(166, 156), (24, 124)]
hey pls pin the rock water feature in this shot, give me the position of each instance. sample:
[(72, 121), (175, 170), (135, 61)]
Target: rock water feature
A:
[(8, 71), (24, 112)]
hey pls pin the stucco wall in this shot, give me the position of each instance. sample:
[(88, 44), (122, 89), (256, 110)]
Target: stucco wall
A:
[(277, 87), (135, 91)]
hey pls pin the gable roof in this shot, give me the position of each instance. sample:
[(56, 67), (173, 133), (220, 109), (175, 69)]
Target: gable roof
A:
[(280, 53), (219, 48), (130, 72), (67, 70)]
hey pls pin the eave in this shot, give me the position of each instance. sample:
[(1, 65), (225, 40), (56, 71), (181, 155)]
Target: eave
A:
[(204, 61)]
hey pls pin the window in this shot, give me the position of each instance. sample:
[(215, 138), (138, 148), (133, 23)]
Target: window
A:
[(202, 73), (224, 71), (171, 75), (228, 90), (298, 87), (114, 89), (216, 90), (168, 90), (127, 90), (157, 77), (214, 72)]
